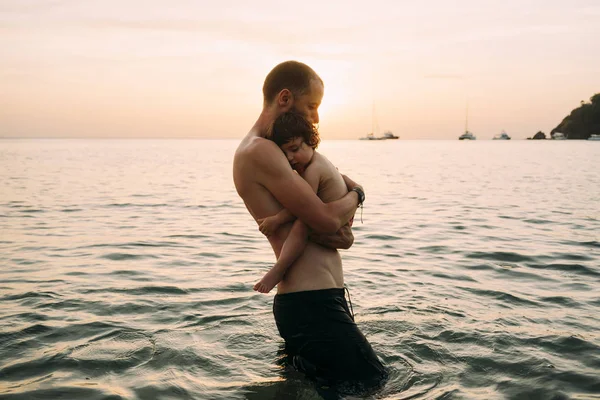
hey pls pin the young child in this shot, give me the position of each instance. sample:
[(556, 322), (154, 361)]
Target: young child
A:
[(298, 139)]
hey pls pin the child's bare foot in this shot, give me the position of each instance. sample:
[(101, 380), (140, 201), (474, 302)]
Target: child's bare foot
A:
[(262, 288), (268, 281)]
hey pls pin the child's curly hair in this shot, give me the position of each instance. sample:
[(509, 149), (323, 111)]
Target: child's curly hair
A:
[(291, 125)]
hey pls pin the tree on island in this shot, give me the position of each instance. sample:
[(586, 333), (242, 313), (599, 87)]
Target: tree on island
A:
[(583, 121)]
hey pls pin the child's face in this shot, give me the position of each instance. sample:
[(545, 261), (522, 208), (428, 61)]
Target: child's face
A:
[(298, 153)]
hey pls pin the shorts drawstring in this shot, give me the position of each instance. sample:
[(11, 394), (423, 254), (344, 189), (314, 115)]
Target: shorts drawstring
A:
[(349, 300)]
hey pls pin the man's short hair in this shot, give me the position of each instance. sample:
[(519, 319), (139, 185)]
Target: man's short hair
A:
[(292, 75), (290, 125)]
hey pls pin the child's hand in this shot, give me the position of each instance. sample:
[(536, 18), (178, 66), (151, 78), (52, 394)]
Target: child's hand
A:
[(268, 226)]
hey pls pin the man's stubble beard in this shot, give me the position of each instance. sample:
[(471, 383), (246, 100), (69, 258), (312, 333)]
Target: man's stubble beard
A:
[(296, 111)]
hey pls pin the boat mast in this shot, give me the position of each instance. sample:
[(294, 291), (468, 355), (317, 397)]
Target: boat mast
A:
[(374, 124), (467, 118), (373, 118)]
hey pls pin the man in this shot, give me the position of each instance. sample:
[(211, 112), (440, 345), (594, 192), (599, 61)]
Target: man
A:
[(310, 310)]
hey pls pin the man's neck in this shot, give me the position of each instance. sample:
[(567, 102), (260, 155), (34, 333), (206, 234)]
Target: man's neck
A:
[(264, 123)]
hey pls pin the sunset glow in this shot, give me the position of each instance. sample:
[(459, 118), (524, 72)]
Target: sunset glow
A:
[(188, 69)]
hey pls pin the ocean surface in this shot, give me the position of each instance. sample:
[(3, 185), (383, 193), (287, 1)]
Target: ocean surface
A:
[(126, 271)]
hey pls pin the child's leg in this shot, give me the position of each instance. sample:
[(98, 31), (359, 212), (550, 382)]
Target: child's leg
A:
[(292, 249)]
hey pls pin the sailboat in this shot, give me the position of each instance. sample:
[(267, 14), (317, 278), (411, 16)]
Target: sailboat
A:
[(375, 127), (502, 136), (370, 136), (467, 135)]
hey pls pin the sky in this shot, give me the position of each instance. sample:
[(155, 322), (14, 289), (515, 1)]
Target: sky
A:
[(195, 69)]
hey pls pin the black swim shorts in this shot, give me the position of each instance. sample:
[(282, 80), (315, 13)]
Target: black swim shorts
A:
[(322, 340)]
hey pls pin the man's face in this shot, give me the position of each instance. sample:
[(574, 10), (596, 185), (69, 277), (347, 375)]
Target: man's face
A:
[(308, 103)]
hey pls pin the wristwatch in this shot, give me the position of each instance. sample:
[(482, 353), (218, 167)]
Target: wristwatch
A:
[(361, 194)]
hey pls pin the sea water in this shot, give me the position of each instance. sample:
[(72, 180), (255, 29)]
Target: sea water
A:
[(127, 266)]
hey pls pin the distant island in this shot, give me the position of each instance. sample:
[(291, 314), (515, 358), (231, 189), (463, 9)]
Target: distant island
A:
[(583, 122), (538, 136)]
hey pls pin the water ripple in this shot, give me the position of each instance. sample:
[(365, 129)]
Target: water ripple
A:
[(131, 277)]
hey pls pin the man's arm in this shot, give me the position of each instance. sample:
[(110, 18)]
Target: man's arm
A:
[(342, 239), (295, 194)]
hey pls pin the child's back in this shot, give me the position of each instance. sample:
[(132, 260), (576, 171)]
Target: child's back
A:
[(331, 185)]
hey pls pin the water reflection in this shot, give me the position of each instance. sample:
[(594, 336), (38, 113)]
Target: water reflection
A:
[(128, 268)]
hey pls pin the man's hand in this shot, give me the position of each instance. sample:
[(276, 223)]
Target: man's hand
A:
[(269, 225), (342, 239)]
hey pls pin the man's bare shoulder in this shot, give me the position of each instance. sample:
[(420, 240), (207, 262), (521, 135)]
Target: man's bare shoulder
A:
[(258, 160), (255, 152), (255, 146)]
